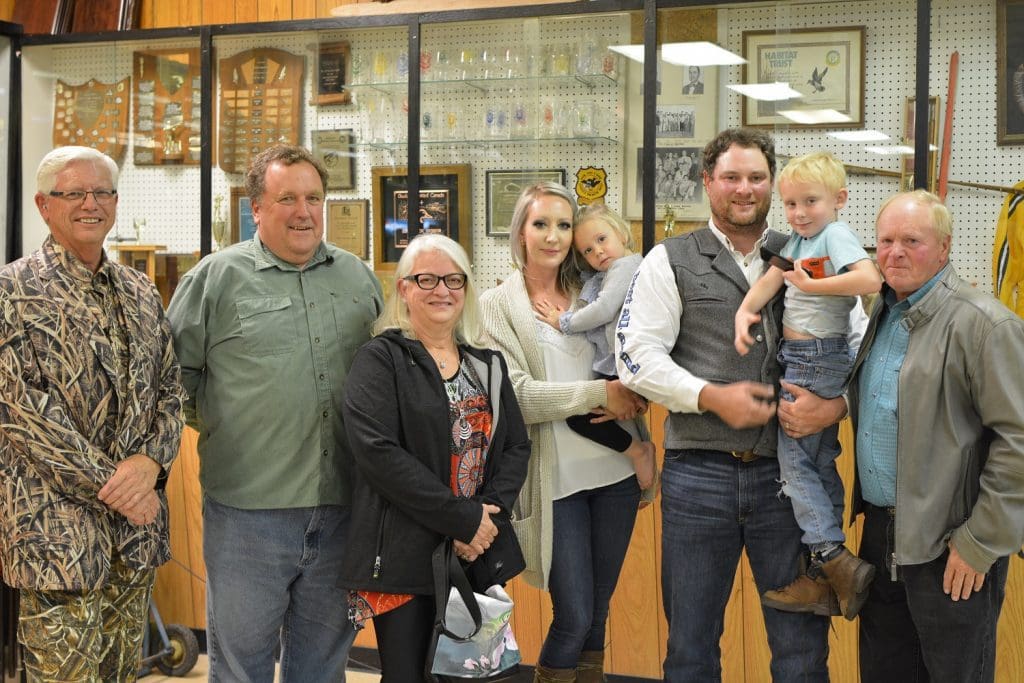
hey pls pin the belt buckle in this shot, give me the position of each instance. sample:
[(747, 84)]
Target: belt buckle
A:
[(745, 456)]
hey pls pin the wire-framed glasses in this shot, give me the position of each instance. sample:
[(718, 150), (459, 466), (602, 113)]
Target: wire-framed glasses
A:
[(77, 196)]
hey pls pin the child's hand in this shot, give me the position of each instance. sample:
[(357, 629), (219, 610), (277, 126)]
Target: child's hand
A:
[(548, 312), (799, 277), (743, 340)]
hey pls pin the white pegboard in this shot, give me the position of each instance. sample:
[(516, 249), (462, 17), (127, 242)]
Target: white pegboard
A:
[(890, 64), (888, 81), (970, 29)]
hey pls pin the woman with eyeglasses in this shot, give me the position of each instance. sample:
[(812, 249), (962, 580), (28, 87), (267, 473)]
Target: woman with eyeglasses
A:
[(440, 449), (579, 492)]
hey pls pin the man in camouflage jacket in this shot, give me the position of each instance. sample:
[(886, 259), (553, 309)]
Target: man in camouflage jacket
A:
[(90, 420)]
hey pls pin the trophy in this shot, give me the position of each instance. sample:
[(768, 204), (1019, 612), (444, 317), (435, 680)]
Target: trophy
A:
[(219, 225)]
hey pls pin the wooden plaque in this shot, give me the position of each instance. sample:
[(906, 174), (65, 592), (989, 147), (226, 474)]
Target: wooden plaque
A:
[(260, 104), (167, 104), (93, 114), (332, 74)]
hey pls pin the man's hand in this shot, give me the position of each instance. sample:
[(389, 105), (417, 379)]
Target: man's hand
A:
[(808, 413), (959, 580), (133, 480), (145, 511), (740, 404)]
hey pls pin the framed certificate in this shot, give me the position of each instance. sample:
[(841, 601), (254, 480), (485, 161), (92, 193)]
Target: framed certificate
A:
[(826, 66), (334, 150), (504, 188), (347, 225)]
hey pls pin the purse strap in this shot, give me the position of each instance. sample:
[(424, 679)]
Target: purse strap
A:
[(448, 573)]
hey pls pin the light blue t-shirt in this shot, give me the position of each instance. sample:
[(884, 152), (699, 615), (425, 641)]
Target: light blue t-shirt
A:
[(822, 315)]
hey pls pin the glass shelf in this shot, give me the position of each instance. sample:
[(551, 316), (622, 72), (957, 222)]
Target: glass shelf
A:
[(592, 81), (590, 141)]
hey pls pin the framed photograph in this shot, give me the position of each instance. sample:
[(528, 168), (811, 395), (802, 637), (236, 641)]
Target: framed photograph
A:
[(685, 120), (909, 137), (443, 207), (347, 225), (1010, 72), (334, 150), (826, 66), (503, 189), (243, 227), (332, 69)]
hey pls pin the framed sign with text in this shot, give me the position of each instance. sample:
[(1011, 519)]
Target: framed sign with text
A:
[(347, 225), (826, 66), (504, 188), (443, 207)]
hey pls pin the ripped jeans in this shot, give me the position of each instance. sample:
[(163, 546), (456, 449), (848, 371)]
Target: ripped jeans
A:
[(808, 465)]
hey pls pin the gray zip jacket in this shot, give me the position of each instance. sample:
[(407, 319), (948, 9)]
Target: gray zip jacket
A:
[(960, 434)]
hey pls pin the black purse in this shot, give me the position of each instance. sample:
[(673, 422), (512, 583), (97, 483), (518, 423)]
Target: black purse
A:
[(500, 563)]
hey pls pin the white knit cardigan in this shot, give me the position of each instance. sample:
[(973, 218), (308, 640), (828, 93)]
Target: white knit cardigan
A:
[(510, 321)]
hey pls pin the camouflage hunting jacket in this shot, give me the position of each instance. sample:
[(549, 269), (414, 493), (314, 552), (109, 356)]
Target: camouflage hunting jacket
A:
[(75, 399)]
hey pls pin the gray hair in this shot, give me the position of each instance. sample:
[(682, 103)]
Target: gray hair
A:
[(468, 329), (568, 274), (58, 159), (942, 219)]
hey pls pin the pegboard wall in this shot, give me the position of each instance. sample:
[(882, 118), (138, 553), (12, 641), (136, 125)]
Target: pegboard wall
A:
[(167, 197), (889, 79)]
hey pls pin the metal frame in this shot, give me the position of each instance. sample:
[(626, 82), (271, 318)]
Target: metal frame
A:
[(414, 24)]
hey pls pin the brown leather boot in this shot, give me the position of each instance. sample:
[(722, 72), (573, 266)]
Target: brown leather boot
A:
[(590, 667), (850, 577), (542, 674), (804, 595)]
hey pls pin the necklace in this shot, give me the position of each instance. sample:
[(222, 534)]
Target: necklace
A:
[(443, 364)]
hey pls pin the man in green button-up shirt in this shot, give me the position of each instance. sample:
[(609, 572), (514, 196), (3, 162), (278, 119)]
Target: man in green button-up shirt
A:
[(265, 332)]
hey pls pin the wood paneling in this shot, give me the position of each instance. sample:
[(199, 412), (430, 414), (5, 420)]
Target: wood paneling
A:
[(637, 630)]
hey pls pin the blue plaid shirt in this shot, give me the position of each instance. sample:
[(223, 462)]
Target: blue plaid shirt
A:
[(877, 418)]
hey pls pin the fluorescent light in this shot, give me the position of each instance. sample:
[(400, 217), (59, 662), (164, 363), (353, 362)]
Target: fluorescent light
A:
[(894, 149), (700, 53), (814, 116), (634, 52), (859, 135), (770, 92)]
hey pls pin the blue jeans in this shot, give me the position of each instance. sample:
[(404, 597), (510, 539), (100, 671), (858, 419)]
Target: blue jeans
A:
[(713, 505), (808, 465), (912, 632), (592, 531), (271, 579)]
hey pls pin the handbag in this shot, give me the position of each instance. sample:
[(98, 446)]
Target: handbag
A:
[(472, 631)]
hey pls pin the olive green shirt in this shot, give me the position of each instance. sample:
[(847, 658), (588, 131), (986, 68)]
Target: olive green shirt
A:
[(265, 347)]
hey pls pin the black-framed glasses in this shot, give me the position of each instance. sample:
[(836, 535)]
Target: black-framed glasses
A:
[(101, 196), (429, 281)]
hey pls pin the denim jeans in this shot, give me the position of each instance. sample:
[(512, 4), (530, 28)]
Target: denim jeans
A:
[(271, 578), (713, 506), (592, 531), (807, 465), (912, 632)]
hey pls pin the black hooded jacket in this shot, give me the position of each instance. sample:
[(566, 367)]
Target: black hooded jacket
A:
[(396, 419)]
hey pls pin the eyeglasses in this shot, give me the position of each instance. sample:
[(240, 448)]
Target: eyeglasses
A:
[(429, 281), (101, 196)]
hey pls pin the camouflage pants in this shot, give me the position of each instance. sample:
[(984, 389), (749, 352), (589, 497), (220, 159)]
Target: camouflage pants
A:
[(86, 636)]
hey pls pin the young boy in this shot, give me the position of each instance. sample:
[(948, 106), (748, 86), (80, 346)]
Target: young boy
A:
[(602, 240), (829, 270)]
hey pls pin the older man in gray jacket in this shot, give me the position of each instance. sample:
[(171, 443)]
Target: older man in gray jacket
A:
[(937, 400)]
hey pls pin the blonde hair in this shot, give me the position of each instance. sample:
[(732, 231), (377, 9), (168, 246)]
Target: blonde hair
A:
[(395, 316), (568, 273), (816, 167), (611, 219), (942, 219)]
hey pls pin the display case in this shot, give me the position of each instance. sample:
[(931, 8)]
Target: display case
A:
[(462, 109)]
